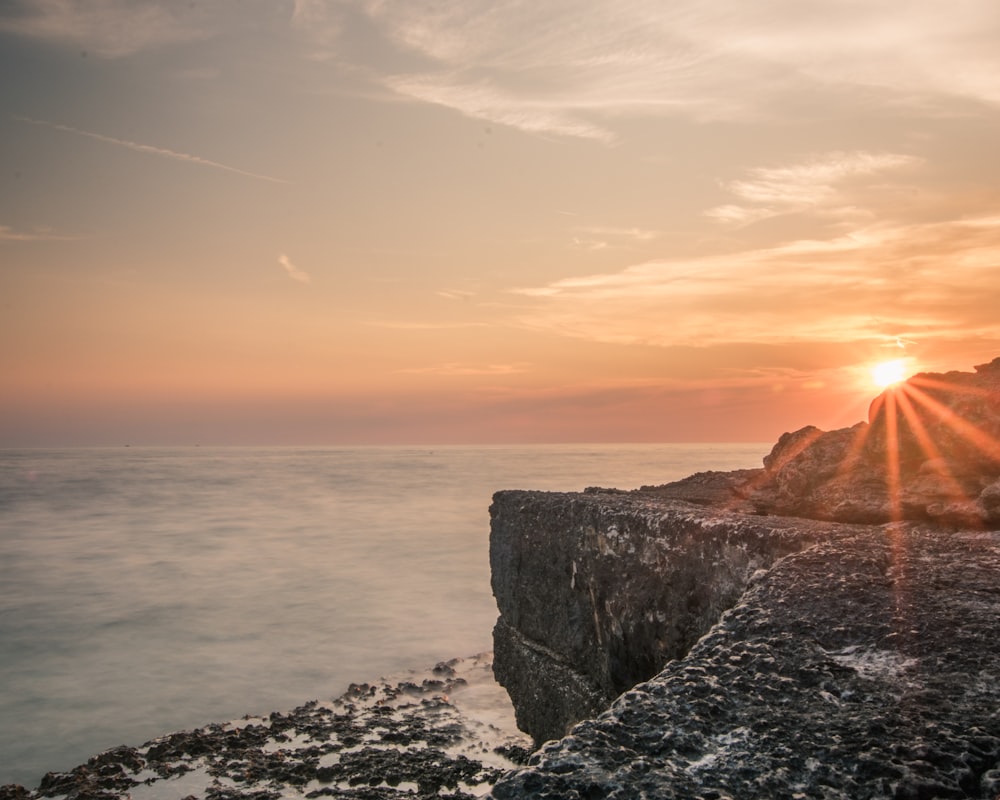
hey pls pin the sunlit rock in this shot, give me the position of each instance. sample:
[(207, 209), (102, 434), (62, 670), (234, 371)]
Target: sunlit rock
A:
[(929, 450)]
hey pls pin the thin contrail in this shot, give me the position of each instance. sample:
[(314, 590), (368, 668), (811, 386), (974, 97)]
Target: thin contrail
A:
[(150, 149)]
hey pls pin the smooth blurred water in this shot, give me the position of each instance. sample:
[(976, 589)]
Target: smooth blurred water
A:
[(149, 590)]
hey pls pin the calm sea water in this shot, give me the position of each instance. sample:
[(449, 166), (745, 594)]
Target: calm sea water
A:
[(149, 590)]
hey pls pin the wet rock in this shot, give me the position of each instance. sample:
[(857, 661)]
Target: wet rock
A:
[(514, 753), (107, 775), (380, 740)]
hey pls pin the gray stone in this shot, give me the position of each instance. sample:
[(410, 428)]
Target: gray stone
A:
[(825, 627), (865, 665), (597, 591)]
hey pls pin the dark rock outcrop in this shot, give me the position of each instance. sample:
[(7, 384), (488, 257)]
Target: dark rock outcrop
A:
[(866, 666), (597, 591), (825, 627)]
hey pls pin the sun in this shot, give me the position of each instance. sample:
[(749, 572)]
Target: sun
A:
[(887, 373)]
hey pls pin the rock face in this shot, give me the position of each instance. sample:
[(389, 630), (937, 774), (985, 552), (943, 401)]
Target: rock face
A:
[(929, 451), (597, 591), (827, 626), (866, 666)]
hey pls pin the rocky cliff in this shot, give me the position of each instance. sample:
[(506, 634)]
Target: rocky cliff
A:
[(828, 626), (597, 591)]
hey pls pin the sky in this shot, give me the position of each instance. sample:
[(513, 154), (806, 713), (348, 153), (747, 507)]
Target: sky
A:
[(458, 221)]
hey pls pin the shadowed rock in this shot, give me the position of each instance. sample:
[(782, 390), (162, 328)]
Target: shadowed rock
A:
[(597, 591), (863, 667)]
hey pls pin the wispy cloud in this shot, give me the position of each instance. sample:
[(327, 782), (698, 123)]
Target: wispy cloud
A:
[(293, 272), (9, 234), (548, 68), (456, 294), (458, 369), (596, 237), (108, 28), (805, 185), (884, 280), (152, 150), (403, 325), (487, 101)]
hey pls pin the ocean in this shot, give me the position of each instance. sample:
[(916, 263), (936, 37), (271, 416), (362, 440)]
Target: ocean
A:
[(148, 590)]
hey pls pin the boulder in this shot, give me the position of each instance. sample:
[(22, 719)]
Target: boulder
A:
[(930, 450)]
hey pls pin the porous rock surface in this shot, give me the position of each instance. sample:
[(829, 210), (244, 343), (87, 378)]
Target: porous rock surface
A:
[(827, 626), (597, 591), (866, 666)]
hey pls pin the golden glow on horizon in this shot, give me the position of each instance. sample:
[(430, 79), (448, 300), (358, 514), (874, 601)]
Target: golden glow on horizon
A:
[(468, 223), (888, 373)]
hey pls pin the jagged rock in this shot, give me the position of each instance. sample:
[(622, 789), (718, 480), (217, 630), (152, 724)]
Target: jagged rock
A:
[(723, 490), (860, 659), (598, 591), (929, 451), (865, 666), (403, 739)]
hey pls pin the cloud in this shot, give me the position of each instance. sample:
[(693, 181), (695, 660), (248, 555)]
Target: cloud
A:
[(547, 68), (150, 149), (8, 234), (294, 272), (458, 369), (484, 100), (885, 280), (108, 28), (322, 22), (739, 215), (456, 294), (597, 237), (804, 185), (811, 182), (400, 325)]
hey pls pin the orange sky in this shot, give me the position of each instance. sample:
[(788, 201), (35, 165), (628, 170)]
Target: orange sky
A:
[(378, 221)]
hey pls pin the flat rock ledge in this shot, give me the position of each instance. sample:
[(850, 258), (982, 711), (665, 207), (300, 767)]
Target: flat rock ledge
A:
[(718, 654)]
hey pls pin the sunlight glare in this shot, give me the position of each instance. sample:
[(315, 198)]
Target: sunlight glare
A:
[(887, 373)]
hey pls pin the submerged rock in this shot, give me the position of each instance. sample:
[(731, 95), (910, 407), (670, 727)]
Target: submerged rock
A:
[(432, 735)]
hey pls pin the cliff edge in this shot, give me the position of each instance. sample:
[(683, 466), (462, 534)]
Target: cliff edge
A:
[(827, 626)]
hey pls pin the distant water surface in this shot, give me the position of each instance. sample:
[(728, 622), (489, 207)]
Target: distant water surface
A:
[(149, 590)]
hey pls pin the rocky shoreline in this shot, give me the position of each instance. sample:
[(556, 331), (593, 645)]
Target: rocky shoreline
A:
[(435, 734), (863, 666), (825, 627)]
